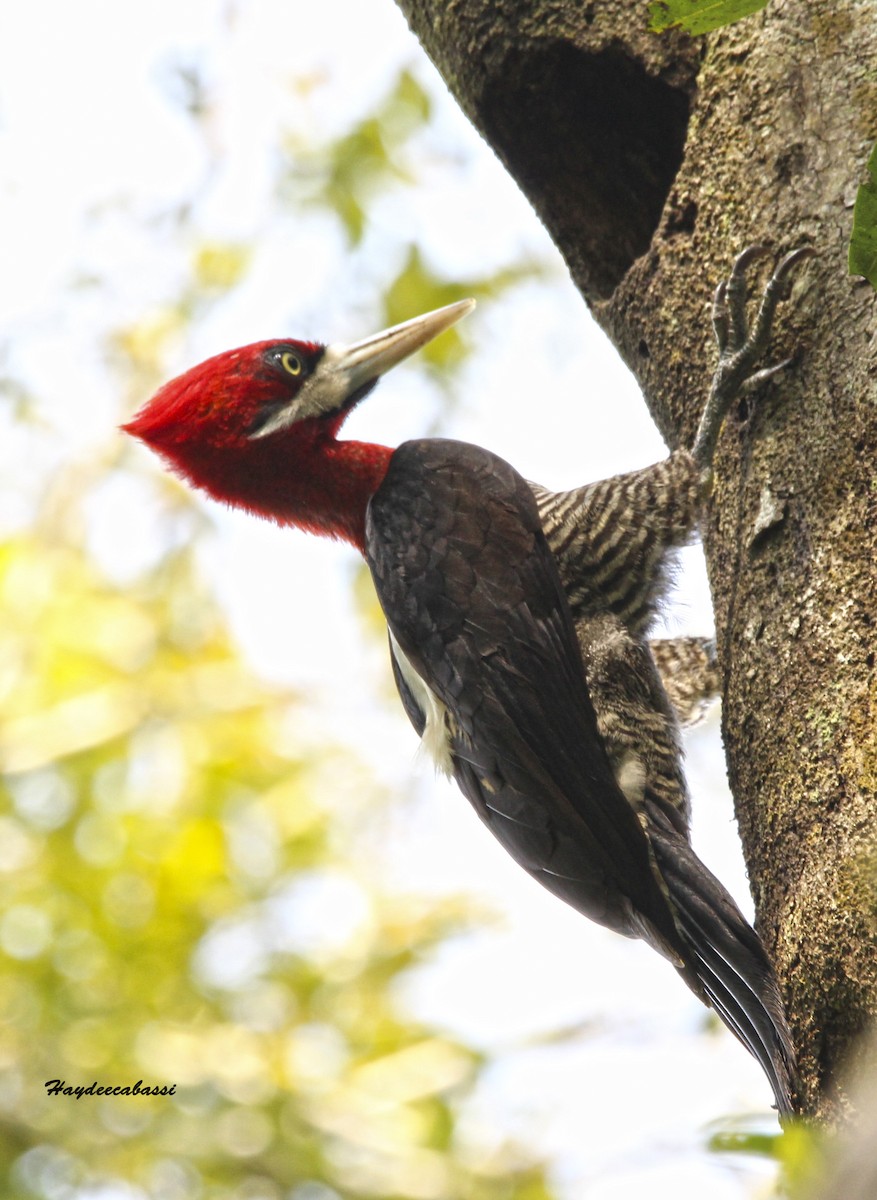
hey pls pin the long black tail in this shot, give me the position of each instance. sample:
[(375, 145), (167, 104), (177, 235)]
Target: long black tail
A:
[(728, 966)]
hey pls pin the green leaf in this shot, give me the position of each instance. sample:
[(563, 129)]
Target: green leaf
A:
[(699, 16), (863, 243), (799, 1149)]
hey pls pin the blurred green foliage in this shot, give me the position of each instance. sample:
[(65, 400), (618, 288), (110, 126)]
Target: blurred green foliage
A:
[(182, 902), (162, 840), (214, 268), (345, 175), (417, 288), (797, 1149)]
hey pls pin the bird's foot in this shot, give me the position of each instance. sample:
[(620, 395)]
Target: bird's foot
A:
[(741, 345)]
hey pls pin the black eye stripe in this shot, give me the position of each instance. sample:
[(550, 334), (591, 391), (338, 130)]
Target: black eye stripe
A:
[(265, 414)]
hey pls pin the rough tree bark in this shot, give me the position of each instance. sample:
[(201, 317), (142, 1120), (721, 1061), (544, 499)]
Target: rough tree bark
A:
[(652, 161)]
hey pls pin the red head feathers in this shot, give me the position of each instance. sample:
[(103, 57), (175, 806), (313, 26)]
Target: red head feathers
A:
[(257, 427)]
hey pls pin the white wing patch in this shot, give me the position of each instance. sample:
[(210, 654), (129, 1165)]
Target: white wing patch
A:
[(434, 741)]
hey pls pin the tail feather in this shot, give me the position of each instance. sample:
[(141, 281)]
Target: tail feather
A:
[(727, 965)]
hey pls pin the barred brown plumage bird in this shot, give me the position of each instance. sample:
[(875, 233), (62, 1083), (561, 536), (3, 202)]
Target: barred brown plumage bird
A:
[(518, 623)]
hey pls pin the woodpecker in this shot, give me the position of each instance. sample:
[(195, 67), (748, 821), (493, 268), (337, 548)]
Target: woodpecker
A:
[(518, 623)]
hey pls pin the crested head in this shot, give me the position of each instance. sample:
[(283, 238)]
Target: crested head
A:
[(256, 427), (225, 400)]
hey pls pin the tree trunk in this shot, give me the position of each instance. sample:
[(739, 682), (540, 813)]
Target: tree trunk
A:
[(652, 160)]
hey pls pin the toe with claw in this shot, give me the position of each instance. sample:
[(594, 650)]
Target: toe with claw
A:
[(741, 345)]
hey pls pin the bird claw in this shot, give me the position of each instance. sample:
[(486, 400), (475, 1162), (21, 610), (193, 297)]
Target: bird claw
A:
[(741, 345), (734, 298)]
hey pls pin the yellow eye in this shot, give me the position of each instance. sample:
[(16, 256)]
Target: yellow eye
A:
[(291, 362)]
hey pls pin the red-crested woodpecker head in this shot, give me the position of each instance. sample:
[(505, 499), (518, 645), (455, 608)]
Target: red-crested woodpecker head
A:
[(256, 427)]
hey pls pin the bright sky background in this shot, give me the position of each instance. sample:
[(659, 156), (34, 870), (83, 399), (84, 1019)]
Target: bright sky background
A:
[(92, 147)]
